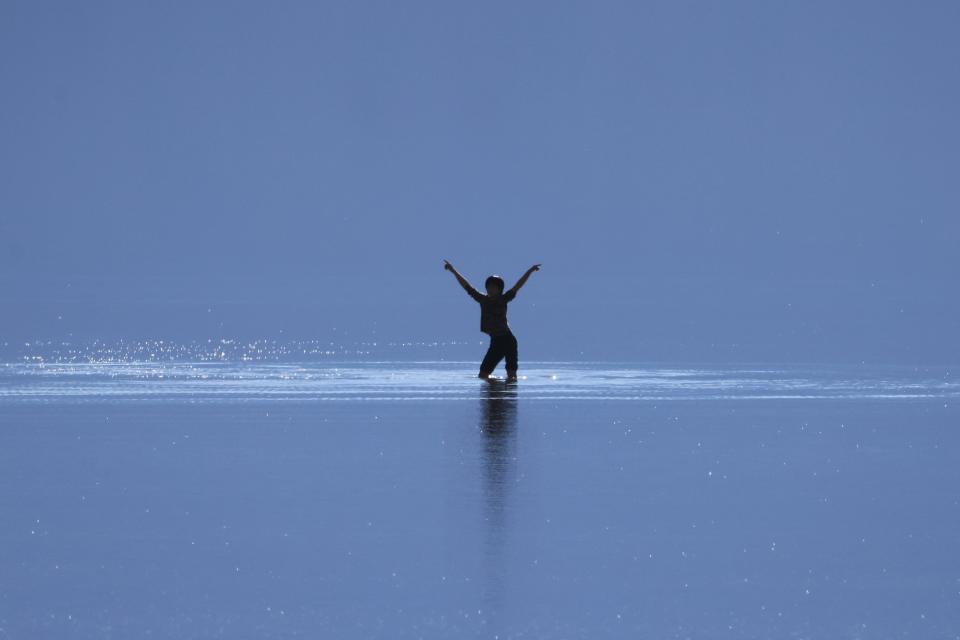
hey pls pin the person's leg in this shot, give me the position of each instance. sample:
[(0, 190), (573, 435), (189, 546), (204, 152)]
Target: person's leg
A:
[(510, 351), (492, 358)]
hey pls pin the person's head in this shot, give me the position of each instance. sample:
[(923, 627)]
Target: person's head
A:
[(494, 285)]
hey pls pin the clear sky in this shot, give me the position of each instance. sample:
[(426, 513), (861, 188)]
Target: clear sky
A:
[(780, 176)]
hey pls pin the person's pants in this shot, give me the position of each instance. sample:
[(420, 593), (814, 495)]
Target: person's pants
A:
[(502, 346)]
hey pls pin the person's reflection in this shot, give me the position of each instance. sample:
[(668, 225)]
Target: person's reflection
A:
[(498, 425)]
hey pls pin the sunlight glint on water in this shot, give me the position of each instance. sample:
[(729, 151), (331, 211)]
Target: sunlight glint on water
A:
[(225, 382)]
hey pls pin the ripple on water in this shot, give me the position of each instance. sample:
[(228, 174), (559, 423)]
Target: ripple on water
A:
[(426, 381)]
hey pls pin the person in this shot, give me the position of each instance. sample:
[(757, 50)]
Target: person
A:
[(493, 320)]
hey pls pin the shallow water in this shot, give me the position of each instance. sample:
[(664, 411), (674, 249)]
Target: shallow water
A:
[(455, 381), (412, 500)]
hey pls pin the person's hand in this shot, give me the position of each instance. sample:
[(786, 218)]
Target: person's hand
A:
[(535, 267), (447, 265)]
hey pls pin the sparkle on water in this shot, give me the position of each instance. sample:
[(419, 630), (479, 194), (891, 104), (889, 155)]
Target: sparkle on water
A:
[(225, 382)]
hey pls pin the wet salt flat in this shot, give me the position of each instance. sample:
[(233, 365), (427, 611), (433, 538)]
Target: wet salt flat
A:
[(410, 500), (455, 381)]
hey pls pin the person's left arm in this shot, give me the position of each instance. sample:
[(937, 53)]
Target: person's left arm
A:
[(512, 292)]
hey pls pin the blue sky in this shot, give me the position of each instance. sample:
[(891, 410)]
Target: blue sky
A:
[(312, 163)]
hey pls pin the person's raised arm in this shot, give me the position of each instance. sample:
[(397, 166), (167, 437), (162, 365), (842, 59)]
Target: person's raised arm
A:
[(476, 295), (523, 280)]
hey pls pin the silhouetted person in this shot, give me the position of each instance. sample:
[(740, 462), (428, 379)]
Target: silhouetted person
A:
[(493, 320)]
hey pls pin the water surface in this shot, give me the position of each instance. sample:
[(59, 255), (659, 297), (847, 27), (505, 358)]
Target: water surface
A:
[(422, 381), (225, 500)]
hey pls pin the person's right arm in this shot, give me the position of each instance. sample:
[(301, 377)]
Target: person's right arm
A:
[(476, 295)]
